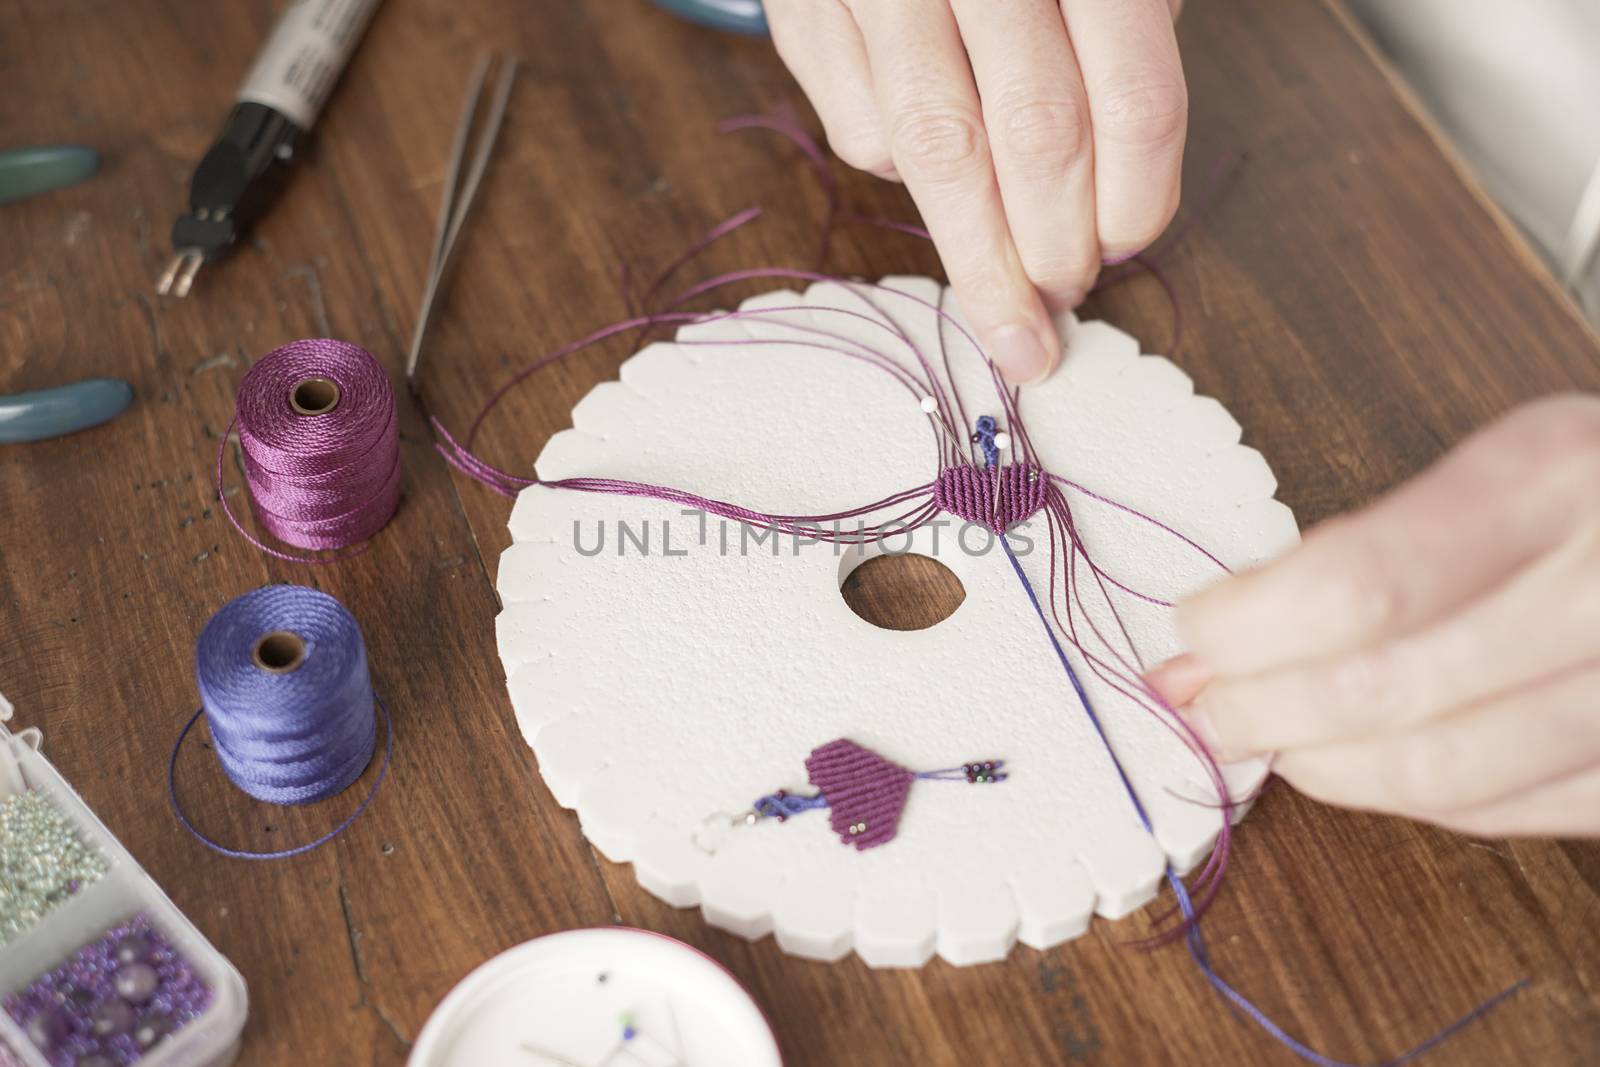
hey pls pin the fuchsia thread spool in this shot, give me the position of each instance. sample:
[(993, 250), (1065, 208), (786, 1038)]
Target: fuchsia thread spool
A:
[(320, 433)]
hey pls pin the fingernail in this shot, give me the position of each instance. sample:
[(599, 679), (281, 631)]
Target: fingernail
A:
[(1019, 355), (1180, 679), (1061, 304), (1200, 722), (1119, 257)]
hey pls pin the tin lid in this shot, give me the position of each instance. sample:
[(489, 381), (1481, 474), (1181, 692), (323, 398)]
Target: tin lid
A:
[(598, 998)]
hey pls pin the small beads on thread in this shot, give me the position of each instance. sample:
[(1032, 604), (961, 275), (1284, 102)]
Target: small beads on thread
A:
[(986, 771)]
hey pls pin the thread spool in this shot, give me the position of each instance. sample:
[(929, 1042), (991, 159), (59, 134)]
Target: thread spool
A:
[(284, 686), (320, 436)]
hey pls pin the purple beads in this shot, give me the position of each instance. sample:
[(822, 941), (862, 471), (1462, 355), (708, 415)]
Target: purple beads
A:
[(112, 1017), (136, 982), (984, 771), (135, 948), (48, 1026), (115, 999)]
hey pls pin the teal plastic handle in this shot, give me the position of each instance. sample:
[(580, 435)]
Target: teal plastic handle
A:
[(738, 16), (62, 409), (26, 172)]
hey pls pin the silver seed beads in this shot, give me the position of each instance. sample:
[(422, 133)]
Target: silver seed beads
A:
[(43, 861)]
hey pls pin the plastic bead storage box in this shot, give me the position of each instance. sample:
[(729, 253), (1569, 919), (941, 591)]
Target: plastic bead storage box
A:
[(97, 967)]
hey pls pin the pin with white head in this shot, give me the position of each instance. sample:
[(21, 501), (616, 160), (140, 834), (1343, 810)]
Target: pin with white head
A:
[(1002, 443), (930, 408)]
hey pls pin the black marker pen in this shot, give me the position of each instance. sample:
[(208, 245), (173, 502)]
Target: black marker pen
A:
[(241, 173)]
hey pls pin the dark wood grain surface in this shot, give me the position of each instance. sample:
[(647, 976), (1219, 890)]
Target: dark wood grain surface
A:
[(1348, 296)]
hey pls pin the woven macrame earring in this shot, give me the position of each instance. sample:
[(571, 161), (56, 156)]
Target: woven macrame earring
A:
[(863, 792)]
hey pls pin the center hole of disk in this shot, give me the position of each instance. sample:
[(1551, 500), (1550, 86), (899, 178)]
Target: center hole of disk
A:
[(280, 651), (314, 396), (903, 592)]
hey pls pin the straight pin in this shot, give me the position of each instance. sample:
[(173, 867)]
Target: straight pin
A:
[(1002, 441), (930, 407), (548, 1057)]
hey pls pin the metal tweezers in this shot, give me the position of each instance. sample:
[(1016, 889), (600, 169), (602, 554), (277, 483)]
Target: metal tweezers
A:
[(458, 197)]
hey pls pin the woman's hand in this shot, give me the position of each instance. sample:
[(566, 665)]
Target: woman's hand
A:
[(1436, 655), (1038, 138)]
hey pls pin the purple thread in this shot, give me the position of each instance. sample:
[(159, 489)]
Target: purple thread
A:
[(968, 494), (788, 127), (910, 229), (295, 737), (1142, 517), (866, 793), (322, 481), (712, 236)]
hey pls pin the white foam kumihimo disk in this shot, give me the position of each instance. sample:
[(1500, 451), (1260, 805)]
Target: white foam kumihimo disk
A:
[(667, 668)]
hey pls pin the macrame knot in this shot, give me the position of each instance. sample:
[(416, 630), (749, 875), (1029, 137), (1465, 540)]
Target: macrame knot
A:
[(968, 493), (782, 804), (983, 437)]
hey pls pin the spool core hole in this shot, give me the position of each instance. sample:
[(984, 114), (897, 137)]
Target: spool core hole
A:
[(314, 396), (280, 652)]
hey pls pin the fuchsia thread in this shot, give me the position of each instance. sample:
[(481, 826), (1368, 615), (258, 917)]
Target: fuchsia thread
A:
[(969, 494), (864, 791), (319, 481)]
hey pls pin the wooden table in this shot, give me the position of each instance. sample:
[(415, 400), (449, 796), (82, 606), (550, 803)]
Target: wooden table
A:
[(1350, 297)]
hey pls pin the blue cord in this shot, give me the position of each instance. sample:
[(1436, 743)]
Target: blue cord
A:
[(783, 805), (984, 437)]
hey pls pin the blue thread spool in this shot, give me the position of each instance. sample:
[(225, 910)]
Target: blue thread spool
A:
[(282, 674)]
